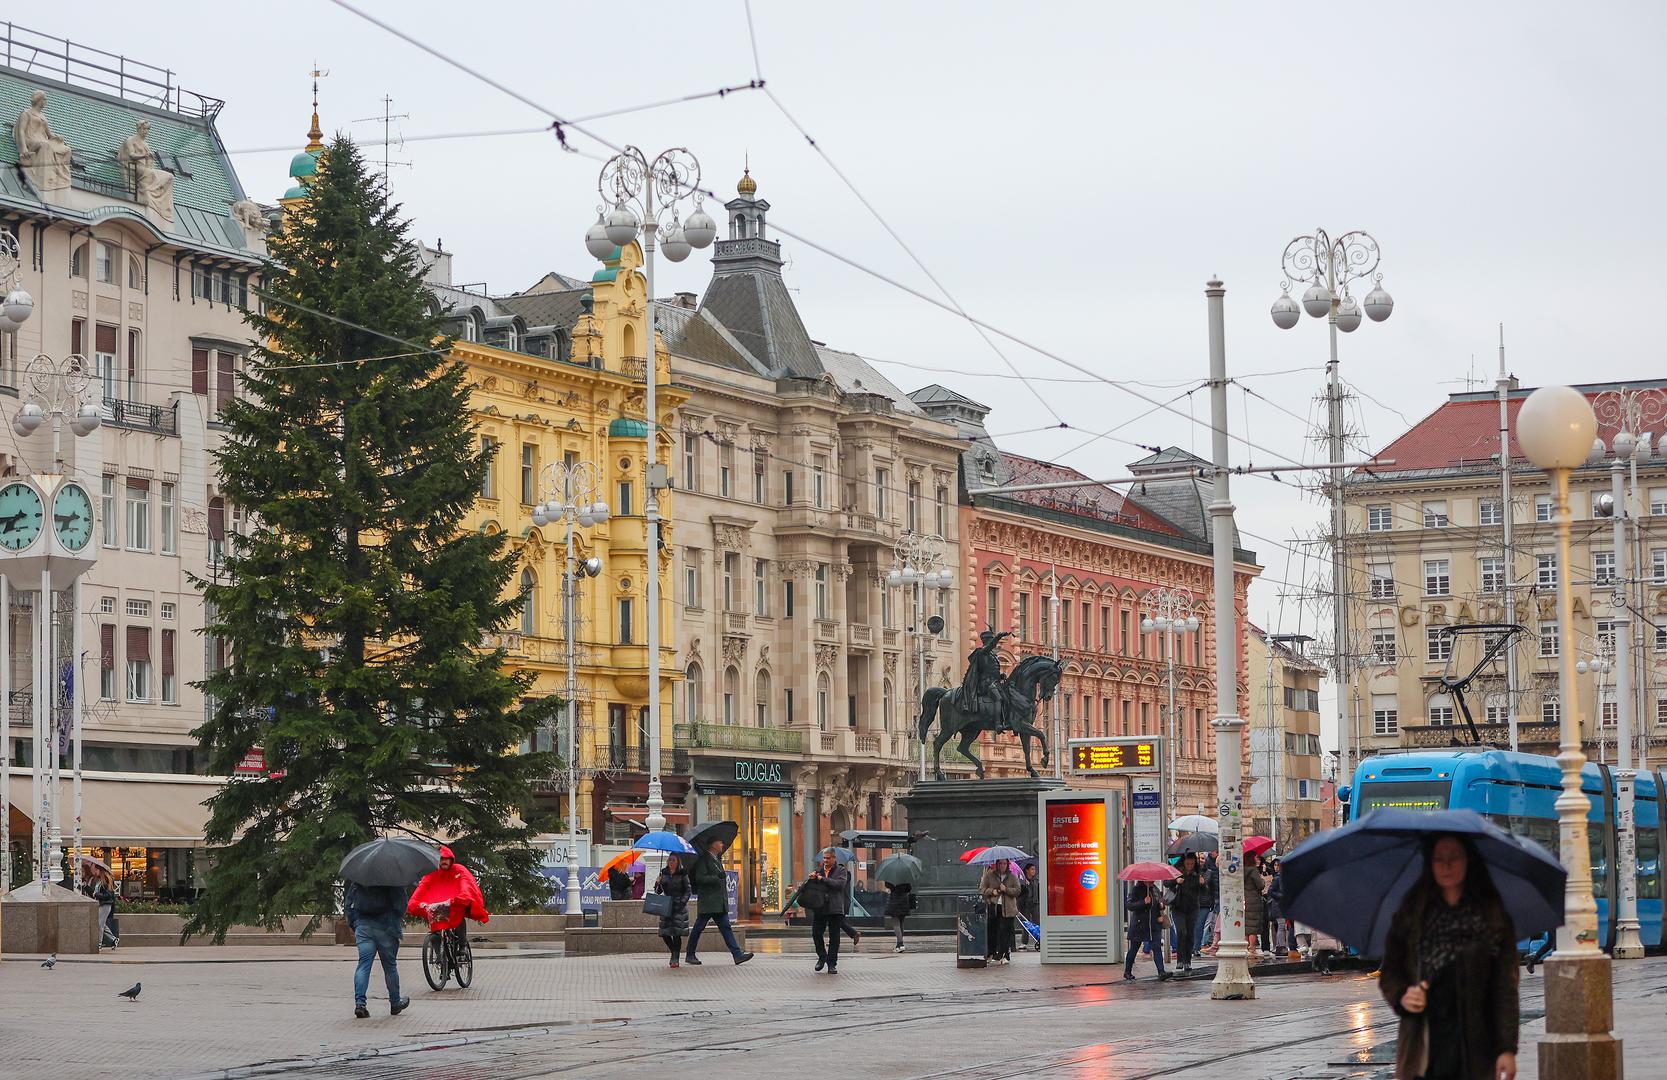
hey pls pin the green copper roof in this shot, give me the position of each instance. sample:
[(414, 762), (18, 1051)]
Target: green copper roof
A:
[(299, 191), (605, 274), (303, 164), (624, 428)]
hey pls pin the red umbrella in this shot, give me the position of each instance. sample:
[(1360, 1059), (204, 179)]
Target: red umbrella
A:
[(1148, 871), (971, 853), (1255, 845)]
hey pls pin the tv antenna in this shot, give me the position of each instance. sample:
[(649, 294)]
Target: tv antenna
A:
[(387, 121)]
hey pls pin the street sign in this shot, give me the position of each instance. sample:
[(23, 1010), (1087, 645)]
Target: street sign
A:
[(1116, 756), (1146, 814)]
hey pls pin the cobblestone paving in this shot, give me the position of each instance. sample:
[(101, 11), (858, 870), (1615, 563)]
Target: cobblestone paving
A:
[(532, 1014)]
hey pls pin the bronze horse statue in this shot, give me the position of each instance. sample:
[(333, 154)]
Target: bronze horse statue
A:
[(1033, 680)]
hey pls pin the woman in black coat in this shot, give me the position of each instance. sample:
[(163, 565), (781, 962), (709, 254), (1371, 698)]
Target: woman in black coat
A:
[(900, 901), (1145, 908), (674, 882)]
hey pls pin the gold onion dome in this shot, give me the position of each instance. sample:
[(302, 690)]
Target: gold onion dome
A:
[(747, 185)]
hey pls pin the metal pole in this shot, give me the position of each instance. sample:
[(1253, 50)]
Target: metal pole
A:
[(917, 598), (1504, 387), (38, 704), (656, 819), (1232, 979), (1273, 727), (76, 698), (575, 902), (1635, 509), (1053, 621), (1348, 738), (5, 737), (1628, 945), (1169, 728)]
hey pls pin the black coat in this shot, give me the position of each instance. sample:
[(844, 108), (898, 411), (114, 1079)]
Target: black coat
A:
[(1191, 892), (711, 887), (1145, 909), (900, 900), (677, 886), (838, 882)]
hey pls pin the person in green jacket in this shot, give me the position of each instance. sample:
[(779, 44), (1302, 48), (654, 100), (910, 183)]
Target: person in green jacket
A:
[(711, 902)]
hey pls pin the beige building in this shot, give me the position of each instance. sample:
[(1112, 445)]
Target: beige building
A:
[(798, 467), (139, 248), (1425, 551), (1282, 714)]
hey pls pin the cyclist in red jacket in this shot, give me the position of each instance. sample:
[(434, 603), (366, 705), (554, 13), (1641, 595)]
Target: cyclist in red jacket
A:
[(445, 896)]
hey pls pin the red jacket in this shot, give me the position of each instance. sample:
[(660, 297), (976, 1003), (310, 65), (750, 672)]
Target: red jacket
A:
[(456, 885)]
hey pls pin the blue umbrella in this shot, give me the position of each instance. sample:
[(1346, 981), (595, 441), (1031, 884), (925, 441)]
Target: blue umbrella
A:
[(663, 841), (1349, 882), (992, 854), (842, 855)]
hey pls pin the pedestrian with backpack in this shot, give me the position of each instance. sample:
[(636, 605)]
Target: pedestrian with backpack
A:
[(376, 914)]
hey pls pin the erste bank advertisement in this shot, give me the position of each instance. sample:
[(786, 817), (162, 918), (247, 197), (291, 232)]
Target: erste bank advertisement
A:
[(1078, 869)]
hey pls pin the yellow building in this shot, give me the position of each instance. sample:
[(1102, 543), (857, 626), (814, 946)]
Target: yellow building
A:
[(557, 377)]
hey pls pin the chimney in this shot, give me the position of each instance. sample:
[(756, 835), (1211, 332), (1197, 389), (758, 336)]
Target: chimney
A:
[(687, 300)]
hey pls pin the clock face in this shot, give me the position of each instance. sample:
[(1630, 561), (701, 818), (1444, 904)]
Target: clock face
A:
[(72, 516), (20, 516)]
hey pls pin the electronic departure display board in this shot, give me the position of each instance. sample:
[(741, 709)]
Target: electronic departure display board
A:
[(1096, 757)]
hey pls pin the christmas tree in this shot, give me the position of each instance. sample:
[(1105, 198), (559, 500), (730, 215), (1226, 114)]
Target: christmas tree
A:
[(354, 610)]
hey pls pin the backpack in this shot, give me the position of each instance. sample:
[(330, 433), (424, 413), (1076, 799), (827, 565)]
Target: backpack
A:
[(374, 901)]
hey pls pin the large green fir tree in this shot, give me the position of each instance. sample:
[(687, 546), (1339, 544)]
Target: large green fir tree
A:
[(356, 606)]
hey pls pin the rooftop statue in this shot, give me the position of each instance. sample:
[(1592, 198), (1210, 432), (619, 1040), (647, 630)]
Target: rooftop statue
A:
[(45, 157), (153, 186)]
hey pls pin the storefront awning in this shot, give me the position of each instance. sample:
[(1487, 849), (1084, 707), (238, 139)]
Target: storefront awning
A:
[(138, 812)]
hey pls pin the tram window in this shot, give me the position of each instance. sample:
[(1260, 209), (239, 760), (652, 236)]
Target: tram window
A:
[(1600, 857), (1405, 795), (1649, 864)]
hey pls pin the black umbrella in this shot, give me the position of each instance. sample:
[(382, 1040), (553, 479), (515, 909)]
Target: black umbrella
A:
[(1192, 844), (900, 869), (392, 860), (703, 835), (1349, 882)]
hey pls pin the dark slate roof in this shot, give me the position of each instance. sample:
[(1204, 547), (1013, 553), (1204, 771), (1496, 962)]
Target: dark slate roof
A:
[(1182, 501), (938, 394), (95, 124), (546, 309), (756, 308), (855, 375), (700, 336)]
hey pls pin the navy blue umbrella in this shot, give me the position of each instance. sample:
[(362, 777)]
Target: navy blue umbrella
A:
[(1349, 882)]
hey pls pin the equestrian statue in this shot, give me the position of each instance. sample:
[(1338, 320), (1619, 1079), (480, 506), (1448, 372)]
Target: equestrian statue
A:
[(988, 701)]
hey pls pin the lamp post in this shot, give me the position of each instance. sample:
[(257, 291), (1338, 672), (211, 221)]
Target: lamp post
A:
[(17, 308), (631, 183), (1172, 613), (1629, 412), (1331, 266), (919, 564), (1555, 428), (1232, 979), (570, 493)]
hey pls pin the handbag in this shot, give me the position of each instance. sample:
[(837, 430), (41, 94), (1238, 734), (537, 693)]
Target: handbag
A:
[(657, 904)]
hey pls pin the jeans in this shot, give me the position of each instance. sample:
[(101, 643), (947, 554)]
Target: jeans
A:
[(1134, 950), (1185, 934), (825, 928), (1204, 924), (377, 940), (722, 921)]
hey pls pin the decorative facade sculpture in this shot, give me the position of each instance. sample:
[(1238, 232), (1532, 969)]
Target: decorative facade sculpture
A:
[(247, 213), (152, 186), (45, 157)]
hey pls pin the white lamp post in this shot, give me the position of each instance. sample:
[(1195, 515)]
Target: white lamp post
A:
[(17, 308), (919, 564), (1555, 428), (1174, 614), (1331, 266), (630, 182), (570, 493)]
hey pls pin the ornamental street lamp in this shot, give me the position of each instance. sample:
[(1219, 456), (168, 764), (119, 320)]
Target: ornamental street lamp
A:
[(640, 193), (919, 564), (1330, 266), (569, 493), (1174, 614), (1630, 413), (14, 311), (1555, 428)]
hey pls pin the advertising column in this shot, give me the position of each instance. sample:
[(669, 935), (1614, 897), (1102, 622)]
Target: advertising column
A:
[(1081, 920)]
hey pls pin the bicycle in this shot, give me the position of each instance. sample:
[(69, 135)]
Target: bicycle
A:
[(447, 955)]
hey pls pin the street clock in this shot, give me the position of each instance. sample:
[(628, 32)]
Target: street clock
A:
[(72, 516), (21, 513)]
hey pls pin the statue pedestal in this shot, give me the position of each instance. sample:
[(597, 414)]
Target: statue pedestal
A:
[(960, 815), (59, 922)]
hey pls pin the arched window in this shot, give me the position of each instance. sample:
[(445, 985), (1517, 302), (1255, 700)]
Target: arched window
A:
[(732, 693), (886, 705), (824, 700), (529, 602), (761, 698), (691, 694), (78, 262), (629, 339), (135, 272)]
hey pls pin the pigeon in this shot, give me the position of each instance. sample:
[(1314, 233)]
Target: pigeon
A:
[(50, 962), (133, 994)]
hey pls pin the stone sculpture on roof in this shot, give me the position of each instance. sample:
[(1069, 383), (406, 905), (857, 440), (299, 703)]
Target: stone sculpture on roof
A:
[(247, 213), (45, 157), (154, 187)]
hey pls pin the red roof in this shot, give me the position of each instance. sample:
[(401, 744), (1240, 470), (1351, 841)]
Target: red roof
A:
[(1091, 500)]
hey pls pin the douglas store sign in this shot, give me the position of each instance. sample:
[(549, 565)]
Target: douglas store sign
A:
[(744, 776), (759, 772)]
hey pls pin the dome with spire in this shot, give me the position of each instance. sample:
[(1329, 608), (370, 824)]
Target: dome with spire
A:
[(304, 166), (747, 185)]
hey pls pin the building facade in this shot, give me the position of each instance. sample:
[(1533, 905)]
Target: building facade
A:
[(1282, 714), (799, 469), (139, 247), (1425, 551), (1103, 554)]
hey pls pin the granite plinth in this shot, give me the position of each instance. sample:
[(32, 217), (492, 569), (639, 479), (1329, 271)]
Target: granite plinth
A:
[(957, 815), (1579, 1019), (60, 921)]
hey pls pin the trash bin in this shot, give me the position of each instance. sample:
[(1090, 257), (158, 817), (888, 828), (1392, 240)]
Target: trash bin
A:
[(972, 932)]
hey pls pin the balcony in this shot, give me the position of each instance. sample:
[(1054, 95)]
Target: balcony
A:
[(862, 635), (730, 737), (1531, 735), (735, 622), (617, 757), (136, 416), (634, 367), (827, 630)]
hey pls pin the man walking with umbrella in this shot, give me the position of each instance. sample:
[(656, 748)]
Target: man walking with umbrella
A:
[(711, 893), (379, 876)]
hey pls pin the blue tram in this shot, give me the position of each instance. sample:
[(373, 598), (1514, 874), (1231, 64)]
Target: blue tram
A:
[(1518, 793)]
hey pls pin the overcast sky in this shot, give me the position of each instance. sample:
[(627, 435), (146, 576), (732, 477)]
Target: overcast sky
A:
[(1072, 173)]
